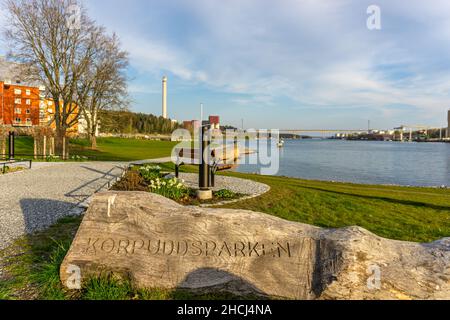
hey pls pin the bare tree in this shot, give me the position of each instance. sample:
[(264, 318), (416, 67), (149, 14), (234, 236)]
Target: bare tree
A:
[(57, 40), (104, 85)]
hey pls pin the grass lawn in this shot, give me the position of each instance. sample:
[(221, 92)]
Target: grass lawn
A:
[(401, 213), (108, 149), (117, 149), (23, 146), (412, 214)]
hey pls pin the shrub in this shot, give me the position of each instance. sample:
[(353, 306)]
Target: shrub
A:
[(150, 173), (225, 194), (78, 158), (170, 188), (51, 158), (9, 169)]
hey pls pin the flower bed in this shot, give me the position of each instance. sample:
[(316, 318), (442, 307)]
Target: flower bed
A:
[(151, 178)]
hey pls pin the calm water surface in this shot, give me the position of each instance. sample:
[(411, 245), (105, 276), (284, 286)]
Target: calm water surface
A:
[(411, 164)]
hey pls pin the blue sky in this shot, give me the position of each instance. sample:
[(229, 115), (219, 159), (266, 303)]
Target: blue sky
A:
[(287, 63)]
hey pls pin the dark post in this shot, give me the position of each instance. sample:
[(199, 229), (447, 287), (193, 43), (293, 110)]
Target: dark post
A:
[(11, 145), (204, 163), (213, 177)]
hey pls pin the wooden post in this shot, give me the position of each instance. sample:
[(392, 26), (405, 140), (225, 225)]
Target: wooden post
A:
[(44, 147), (35, 147), (52, 142), (4, 147), (64, 148)]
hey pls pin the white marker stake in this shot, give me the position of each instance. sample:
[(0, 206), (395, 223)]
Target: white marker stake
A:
[(111, 201)]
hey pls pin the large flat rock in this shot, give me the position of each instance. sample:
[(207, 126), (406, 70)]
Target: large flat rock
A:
[(157, 243)]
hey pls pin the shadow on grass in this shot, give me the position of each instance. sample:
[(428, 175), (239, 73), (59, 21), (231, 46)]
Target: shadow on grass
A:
[(381, 198)]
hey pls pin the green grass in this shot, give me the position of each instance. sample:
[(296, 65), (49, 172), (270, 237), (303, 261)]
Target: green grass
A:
[(32, 262), (23, 145), (32, 266), (108, 149), (401, 213), (118, 149)]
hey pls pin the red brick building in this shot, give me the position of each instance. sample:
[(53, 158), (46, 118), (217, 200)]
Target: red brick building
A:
[(214, 121), (19, 105)]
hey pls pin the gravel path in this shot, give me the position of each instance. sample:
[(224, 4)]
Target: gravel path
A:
[(34, 199)]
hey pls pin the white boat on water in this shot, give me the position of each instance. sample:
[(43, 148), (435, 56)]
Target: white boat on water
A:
[(280, 144)]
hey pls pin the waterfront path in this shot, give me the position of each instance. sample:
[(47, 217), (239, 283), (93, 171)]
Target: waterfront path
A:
[(32, 200)]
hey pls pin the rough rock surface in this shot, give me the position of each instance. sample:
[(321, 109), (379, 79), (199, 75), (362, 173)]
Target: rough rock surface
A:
[(159, 244)]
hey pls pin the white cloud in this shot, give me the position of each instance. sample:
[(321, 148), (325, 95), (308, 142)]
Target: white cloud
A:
[(315, 53)]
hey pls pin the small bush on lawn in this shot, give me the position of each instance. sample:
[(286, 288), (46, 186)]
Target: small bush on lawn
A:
[(225, 194)]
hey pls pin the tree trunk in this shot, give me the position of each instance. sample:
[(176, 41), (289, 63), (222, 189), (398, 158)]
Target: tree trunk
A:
[(93, 139), (93, 130), (59, 141)]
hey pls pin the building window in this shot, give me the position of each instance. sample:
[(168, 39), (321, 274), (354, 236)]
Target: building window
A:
[(18, 101), (49, 118), (17, 91), (28, 111), (28, 102), (28, 92), (28, 120), (50, 103), (50, 110), (18, 111), (18, 120)]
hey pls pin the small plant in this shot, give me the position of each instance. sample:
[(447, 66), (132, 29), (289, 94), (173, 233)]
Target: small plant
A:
[(225, 194), (52, 158), (9, 169), (170, 188), (150, 173), (78, 158)]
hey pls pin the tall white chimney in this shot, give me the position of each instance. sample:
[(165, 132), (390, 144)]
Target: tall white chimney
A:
[(164, 98)]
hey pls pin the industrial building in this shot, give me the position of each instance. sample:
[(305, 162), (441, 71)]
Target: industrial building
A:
[(213, 122)]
